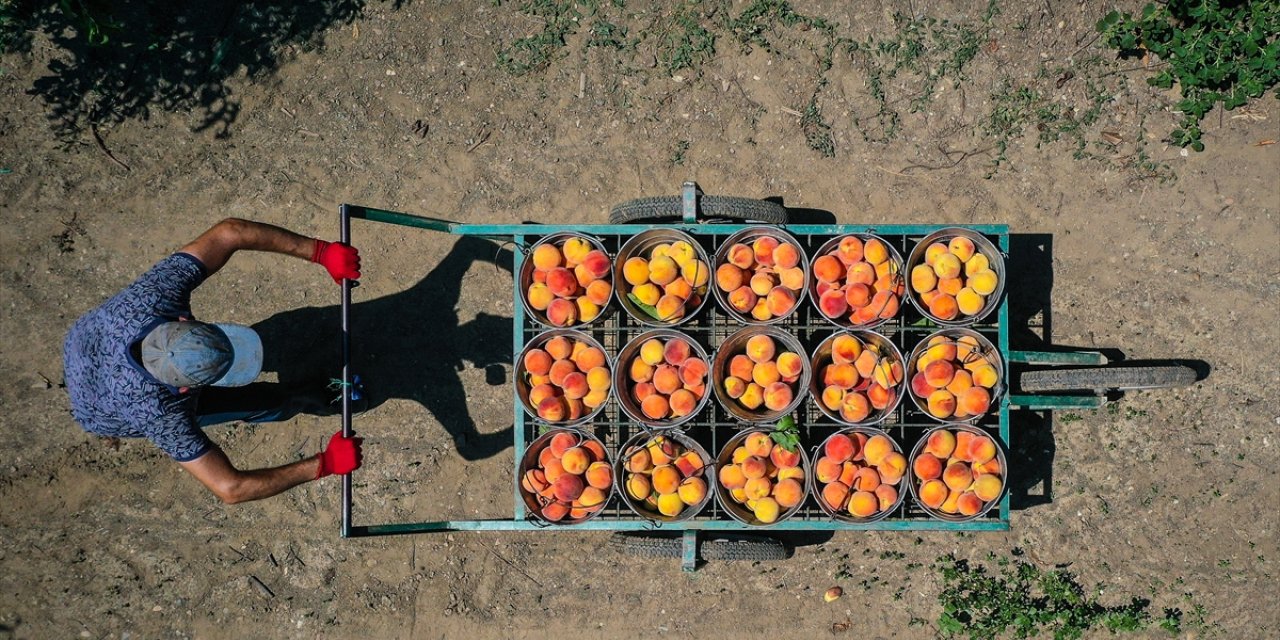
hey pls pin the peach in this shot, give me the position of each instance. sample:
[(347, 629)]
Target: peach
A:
[(950, 286), (666, 379), (655, 407), (692, 490), (987, 487), (760, 348), (740, 366), (845, 349), (763, 249), (758, 444), (729, 277), (865, 479), (969, 504), (754, 467), (783, 458), (545, 456), (651, 351), (643, 390), (575, 250), (598, 379), (934, 251), (534, 481), (540, 296), (985, 375), (758, 487), (969, 302), (765, 373), (665, 479), (960, 381), (560, 369), (696, 273), (933, 493), (635, 271), (592, 497), (546, 257), (942, 348), (681, 252), (832, 397), (562, 282), (741, 256), (786, 255), (554, 511), (777, 396), (981, 449), (537, 362), (670, 504), (828, 269), (844, 376), (892, 467), (794, 473), (920, 386), (946, 266), (864, 504), (562, 312), (597, 263), (648, 293), (863, 315), (589, 358), (832, 304), (760, 312), (855, 407), (860, 273), (957, 476), (857, 295), (752, 397), (743, 299), (598, 292), (961, 247), (734, 387), (941, 404), (887, 374), (640, 371), (688, 463), (941, 443), (575, 460), (766, 510), (599, 475), (885, 304), (839, 447), (740, 453), (963, 440), (828, 469), (568, 487), (789, 364), (682, 402), (639, 461), (927, 467), (991, 466), (693, 370), (561, 442), (978, 262), (877, 447), (662, 270), (836, 495), (850, 250), (950, 505), (944, 307), (923, 278), (676, 351), (849, 472), (886, 496), (791, 278), (866, 363), (670, 308), (939, 373), (731, 477), (875, 252), (974, 401), (761, 284), (984, 282), (788, 493)]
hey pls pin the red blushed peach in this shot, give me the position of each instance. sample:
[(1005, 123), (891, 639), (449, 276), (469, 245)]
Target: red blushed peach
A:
[(640, 371), (597, 263), (844, 376), (892, 467), (968, 504), (885, 303), (975, 401), (760, 348), (679, 288), (599, 291), (920, 386), (866, 363), (786, 255), (729, 277), (573, 408), (959, 382), (961, 248), (552, 409), (763, 249), (540, 393), (987, 487), (575, 386), (583, 276), (957, 476), (939, 373), (731, 477), (855, 407), (866, 479), (655, 407), (682, 402), (575, 460), (777, 396), (991, 466), (554, 511), (589, 358), (857, 295), (828, 269), (676, 351), (688, 463), (963, 440), (880, 397), (849, 250), (832, 397), (790, 364), (862, 316), (944, 307), (639, 462), (828, 469), (845, 349), (752, 397), (780, 301), (693, 371), (753, 467), (740, 366), (981, 449), (941, 404), (761, 284), (743, 299), (835, 495), (839, 448), (537, 362), (534, 481), (886, 496), (758, 444), (941, 443), (927, 467), (863, 504), (562, 282), (595, 449), (833, 304), (643, 390), (860, 273), (933, 493), (741, 256), (791, 278), (849, 472), (562, 442), (562, 312), (823, 287), (734, 387), (783, 458), (568, 487), (545, 456)]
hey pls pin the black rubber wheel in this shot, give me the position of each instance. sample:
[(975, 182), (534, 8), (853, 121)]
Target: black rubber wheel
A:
[(710, 208), (754, 548), (1102, 379), (643, 546)]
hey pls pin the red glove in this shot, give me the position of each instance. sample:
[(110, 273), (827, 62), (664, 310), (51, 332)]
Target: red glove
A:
[(342, 456), (341, 259)]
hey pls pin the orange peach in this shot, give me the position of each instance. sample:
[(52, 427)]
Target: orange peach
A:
[(696, 273), (975, 401), (655, 407), (651, 351), (927, 467), (777, 396), (845, 349), (635, 271), (960, 381), (949, 505), (957, 476), (836, 495), (941, 443), (857, 295), (765, 373), (987, 487), (546, 256), (985, 375), (537, 362), (740, 366), (760, 348), (541, 392), (640, 371), (676, 351), (860, 273), (688, 463), (991, 466), (941, 404), (599, 291), (839, 447), (961, 247), (598, 379), (951, 286), (968, 504), (892, 467), (763, 248), (559, 370), (693, 370), (947, 265), (944, 307), (741, 256), (920, 386), (794, 473), (639, 461), (933, 493), (788, 493), (786, 255), (963, 440), (879, 397), (758, 487), (666, 379), (692, 490), (599, 475), (855, 407), (534, 481), (875, 252), (731, 477), (575, 385), (670, 308), (833, 303), (828, 269), (734, 387), (886, 496), (682, 402), (866, 479), (665, 479), (933, 251), (761, 284), (661, 270), (760, 312), (740, 453), (754, 467), (554, 511), (850, 250), (863, 504), (828, 469), (597, 263), (885, 304), (791, 278), (969, 302), (729, 277), (877, 447), (562, 442), (758, 444), (832, 397), (562, 282), (844, 376), (790, 364), (981, 449), (643, 390), (540, 296), (648, 293), (575, 460), (978, 262), (752, 397)]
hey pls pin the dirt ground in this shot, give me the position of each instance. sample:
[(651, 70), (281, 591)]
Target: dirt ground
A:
[(1168, 495)]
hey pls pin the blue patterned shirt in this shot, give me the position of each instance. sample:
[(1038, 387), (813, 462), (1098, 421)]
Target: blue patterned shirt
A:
[(111, 393)]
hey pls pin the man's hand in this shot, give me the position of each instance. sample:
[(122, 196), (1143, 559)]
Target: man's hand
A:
[(340, 259), (342, 456)]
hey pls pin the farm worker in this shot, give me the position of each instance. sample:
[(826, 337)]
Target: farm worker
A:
[(140, 365)]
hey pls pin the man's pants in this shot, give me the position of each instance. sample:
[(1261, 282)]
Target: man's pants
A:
[(260, 402)]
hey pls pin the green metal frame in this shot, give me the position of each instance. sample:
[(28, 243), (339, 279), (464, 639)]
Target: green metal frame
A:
[(523, 235)]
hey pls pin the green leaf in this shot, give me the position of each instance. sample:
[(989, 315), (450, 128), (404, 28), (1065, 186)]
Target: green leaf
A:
[(647, 308), (786, 434)]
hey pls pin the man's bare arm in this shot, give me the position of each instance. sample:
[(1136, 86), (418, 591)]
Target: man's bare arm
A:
[(215, 246), (231, 485)]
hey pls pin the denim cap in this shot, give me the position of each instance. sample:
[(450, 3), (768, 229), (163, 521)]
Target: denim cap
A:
[(197, 354)]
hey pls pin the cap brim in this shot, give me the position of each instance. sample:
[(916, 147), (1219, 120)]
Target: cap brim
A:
[(246, 362)]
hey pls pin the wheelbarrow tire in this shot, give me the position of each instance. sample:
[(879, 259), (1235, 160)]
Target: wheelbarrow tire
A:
[(710, 209), (753, 549), (1102, 379), (643, 546)]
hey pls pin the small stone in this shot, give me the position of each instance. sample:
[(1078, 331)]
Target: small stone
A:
[(832, 594)]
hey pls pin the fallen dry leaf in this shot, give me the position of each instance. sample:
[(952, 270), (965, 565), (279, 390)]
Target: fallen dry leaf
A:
[(1264, 143), (832, 594)]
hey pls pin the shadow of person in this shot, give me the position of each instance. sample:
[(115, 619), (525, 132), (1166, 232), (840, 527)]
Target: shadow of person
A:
[(408, 345)]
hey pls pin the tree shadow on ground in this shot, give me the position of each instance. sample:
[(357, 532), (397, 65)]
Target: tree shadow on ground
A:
[(119, 60), (408, 345)]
